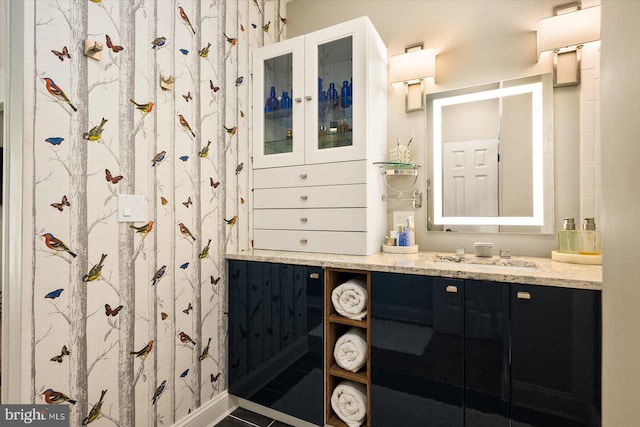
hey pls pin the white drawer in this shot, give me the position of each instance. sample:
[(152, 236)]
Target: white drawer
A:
[(343, 219), (335, 242), (329, 196), (310, 175)]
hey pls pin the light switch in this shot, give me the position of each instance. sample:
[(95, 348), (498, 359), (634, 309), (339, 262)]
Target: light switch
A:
[(131, 208)]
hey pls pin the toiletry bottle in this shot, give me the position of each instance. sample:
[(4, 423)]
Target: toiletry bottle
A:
[(568, 237), (589, 238), (408, 232)]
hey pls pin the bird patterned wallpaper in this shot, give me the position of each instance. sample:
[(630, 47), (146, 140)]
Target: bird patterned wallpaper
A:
[(128, 321)]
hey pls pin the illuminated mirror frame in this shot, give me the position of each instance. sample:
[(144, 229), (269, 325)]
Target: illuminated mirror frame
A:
[(535, 89)]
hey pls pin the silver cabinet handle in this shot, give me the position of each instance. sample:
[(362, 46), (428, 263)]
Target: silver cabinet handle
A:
[(452, 289), (298, 99), (314, 275), (303, 220), (303, 241), (308, 97), (303, 176), (304, 197), (523, 295)]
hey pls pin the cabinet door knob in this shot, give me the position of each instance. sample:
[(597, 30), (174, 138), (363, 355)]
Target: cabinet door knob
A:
[(308, 97), (303, 176), (303, 241), (523, 295), (314, 275), (452, 289), (298, 99), (304, 197), (303, 220)]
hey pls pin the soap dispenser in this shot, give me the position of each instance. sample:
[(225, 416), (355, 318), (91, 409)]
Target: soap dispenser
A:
[(568, 237), (589, 238)]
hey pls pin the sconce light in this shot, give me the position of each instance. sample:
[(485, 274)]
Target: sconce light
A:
[(565, 34), (410, 69)]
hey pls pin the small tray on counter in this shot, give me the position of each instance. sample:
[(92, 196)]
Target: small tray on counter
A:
[(576, 258)]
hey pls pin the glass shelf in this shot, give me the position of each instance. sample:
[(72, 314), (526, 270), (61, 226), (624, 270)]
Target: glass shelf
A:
[(399, 168)]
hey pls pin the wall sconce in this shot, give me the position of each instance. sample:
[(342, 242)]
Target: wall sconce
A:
[(565, 34), (410, 69)]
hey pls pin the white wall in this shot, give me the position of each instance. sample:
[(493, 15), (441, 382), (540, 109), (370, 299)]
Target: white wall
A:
[(620, 87), (470, 51)]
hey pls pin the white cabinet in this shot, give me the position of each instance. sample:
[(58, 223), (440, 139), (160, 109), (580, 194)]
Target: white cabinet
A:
[(319, 124)]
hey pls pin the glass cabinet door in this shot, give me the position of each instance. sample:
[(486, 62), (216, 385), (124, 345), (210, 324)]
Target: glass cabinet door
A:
[(335, 82), (277, 105)]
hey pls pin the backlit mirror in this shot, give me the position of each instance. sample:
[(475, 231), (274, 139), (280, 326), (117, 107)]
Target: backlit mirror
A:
[(491, 148)]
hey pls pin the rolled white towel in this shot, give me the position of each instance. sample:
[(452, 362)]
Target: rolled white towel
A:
[(350, 351), (350, 299), (349, 402)]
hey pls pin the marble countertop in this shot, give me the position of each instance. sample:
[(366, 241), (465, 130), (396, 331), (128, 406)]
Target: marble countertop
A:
[(546, 271)]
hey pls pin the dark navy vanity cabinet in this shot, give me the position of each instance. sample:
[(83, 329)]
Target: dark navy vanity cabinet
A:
[(276, 337)]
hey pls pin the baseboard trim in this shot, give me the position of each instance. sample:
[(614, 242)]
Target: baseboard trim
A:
[(210, 413)]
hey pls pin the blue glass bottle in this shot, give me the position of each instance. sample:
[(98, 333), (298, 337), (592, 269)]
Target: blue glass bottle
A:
[(272, 101), (344, 93), (332, 94), (286, 101), (351, 92)]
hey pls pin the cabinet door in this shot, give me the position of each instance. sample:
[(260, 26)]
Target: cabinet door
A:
[(278, 108), (556, 362), (276, 337), (486, 354), (417, 351)]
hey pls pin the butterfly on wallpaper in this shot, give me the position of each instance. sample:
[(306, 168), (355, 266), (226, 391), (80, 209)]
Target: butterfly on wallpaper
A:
[(60, 206), (242, 200), (188, 309), (214, 184), (54, 140), (184, 373), (187, 97), (188, 202), (215, 281), (112, 311), (164, 315), (184, 51), (54, 294), (184, 158), (213, 87), (58, 358), (63, 54), (110, 178), (110, 45), (163, 201), (241, 27), (241, 113), (184, 266)]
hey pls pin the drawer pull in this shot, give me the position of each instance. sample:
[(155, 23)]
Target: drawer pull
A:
[(304, 220), (452, 289), (314, 275), (308, 97), (303, 241), (304, 197), (298, 99), (303, 176), (523, 295)]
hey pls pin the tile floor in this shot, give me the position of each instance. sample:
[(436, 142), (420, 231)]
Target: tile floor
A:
[(244, 418)]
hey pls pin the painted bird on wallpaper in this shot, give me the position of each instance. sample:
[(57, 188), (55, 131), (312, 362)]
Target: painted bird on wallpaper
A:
[(231, 221), (239, 81), (158, 158), (144, 351), (144, 108), (59, 357), (60, 206), (265, 27), (185, 124), (53, 397), (158, 275), (205, 251), (56, 244), (231, 131), (96, 132), (242, 28), (185, 18), (205, 352), (283, 20), (54, 140), (232, 40), (204, 152), (158, 42), (95, 271), (95, 411), (63, 54), (57, 93), (185, 231), (185, 339), (204, 52), (158, 392), (143, 229), (54, 294), (239, 168), (113, 47)]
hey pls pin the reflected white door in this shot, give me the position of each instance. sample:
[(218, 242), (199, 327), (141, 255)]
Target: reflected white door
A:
[(470, 180)]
